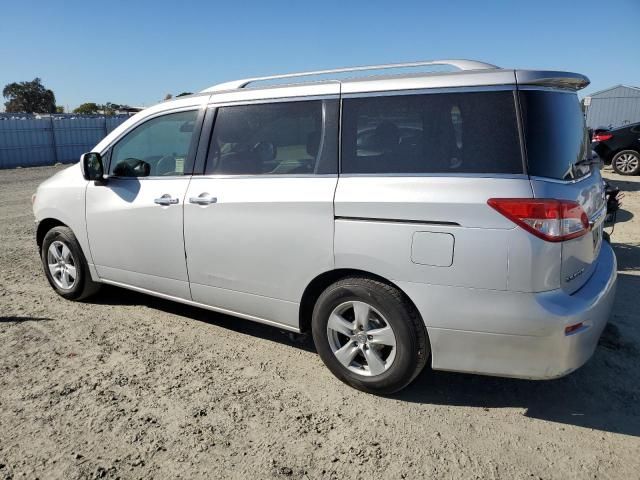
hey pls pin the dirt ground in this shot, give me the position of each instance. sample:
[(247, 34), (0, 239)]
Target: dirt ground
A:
[(130, 386)]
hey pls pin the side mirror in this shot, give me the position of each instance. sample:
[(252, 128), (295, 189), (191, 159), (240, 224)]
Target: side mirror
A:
[(92, 168)]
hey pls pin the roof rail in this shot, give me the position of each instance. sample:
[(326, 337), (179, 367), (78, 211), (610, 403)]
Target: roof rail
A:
[(460, 64)]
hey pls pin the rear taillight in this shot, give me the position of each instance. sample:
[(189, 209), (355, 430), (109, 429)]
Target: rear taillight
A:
[(550, 219), (602, 137)]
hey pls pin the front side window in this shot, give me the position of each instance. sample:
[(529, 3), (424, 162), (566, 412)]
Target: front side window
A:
[(270, 139), (158, 147), (469, 132)]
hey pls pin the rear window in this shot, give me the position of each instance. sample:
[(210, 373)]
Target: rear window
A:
[(556, 134), (469, 132)]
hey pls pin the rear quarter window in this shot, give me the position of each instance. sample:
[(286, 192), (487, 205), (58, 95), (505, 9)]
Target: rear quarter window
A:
[(439, 133), (556, 134)]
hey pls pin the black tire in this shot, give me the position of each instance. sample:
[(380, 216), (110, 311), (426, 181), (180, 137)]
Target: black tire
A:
[(411, 343), (618, 163), (82, 286)]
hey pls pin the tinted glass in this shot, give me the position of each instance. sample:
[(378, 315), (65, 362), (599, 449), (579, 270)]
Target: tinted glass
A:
[(473, 132), (556, 135), (274, 139), (158, 147)]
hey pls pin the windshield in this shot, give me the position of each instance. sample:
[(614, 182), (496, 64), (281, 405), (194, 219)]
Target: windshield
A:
[(555, 133)]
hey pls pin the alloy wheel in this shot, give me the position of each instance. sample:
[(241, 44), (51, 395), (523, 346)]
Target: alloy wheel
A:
[(62, 265), (361, 338), (627, 163)]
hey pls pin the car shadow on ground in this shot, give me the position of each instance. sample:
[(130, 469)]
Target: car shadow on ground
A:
[(622, 216), (12, 319), (118, 296), (592, 397), (631, 185), (628, 256), (602, 395)]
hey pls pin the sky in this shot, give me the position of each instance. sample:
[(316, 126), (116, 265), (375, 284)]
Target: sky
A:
[(135, 52)]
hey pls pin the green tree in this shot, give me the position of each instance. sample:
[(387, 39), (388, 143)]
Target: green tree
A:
[(88, 108), (110, 108), (183, 94), (59, 109), (29, 97)]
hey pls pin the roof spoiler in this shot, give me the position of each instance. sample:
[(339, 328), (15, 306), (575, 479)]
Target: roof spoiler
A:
[(564, 80)]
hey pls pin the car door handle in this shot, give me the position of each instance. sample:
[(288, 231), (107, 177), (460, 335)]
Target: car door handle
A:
[(203, 199), (165, 200)]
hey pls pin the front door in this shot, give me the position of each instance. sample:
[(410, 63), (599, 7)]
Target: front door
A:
[(259, 223), (134, 220)]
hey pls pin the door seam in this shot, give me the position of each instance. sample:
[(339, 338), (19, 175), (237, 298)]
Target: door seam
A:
[(184, 238)]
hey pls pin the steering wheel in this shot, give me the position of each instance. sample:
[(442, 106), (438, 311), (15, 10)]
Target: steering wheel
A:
[(132, 167), (166, 166)]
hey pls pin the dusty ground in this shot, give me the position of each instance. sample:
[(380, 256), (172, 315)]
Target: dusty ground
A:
[(131, 386)]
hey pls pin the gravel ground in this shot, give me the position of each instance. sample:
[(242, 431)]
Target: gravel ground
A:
[(130, 386)]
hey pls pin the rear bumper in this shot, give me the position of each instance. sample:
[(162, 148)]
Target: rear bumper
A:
[(516, 334)]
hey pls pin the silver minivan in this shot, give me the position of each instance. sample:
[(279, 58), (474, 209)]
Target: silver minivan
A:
[(453, 218)]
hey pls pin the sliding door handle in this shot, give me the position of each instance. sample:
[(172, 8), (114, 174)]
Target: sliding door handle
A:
[(203, 199)]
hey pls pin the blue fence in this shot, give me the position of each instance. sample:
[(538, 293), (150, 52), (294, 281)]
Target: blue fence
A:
[(28, 140)]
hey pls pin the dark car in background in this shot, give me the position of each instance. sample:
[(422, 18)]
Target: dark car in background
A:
[(620, 147)]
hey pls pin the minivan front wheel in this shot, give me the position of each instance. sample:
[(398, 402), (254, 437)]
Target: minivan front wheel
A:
[(369, 335), (65, 265), (626, 162)]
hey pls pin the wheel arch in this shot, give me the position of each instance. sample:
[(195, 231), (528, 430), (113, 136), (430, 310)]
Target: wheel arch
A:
[(45, 225), (322, 281), (630, 149)]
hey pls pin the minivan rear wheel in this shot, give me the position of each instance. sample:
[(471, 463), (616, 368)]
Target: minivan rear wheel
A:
[(369, 335), (626, 162)]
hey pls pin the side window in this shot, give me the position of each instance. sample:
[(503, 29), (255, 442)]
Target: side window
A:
[(473, 132), (158, 147), (274, 139)]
